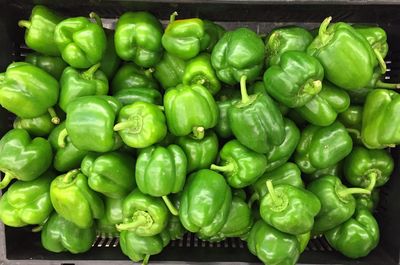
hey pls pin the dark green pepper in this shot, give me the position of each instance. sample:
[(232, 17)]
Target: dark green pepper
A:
[(112, 216), (174, 226), (352, 120), (169, 71), (38, 126), (213, 32), (369, 202), (223, 127), (335, 170), (51, 64), (132, 95), (130, 76)]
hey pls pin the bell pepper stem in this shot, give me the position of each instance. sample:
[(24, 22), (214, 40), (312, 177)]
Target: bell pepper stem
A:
[(254, 197), (61, 137), (313, 87), (271, 191), (372, 180), (355, 132), (70, 176), (170, 206), (24, 24), (97, 18), (37, 229), (198, 133), (6, 180), (243, 90), (88, 74), (161, 107), (172, 17), (380, 84), (226, 168), (381, 62), (146, 259), (125, 125), (54, 118), (324, 26), (349, 191), (138, 221)]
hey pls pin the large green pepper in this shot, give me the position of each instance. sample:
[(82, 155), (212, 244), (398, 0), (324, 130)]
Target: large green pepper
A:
[(60, 235), (23, 158), (138, 38), (161, 171), (289, 209), (380, 119), (75, 84), (337, 202), (80, 42), (205, 203), (324, 108), (357, 236), (74, 200), (141, 124), (27, 202), (280, 40), (296, 80), (130, 75), (190, 109), (322, 147), (28, 91), (169, 71), (345, 54), (90, 122), (112, 216), (240, 165), (256, 121), (38, 126), (143, 214), (272, 246), (111, 174), (352, 120), (39, 34), (368, 168), (238, 53), (51, 64), (200, 153)]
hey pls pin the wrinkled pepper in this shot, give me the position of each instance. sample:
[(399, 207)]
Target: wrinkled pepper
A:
[(53, 65), (169, 71), (38, 126)]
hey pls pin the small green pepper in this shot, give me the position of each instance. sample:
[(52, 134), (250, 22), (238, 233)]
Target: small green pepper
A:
[(53, 65), (38, 126), (112, 216), (352, 120), (130, 75), (223, 128), (169, 71)]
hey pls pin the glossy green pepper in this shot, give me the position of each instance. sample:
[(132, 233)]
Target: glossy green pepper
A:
[(190, 109), (200, 153), (322, 147), (143, 214), (352, 120), (324, 108), (368, 168), (240, 165), (23, 158), (140, 248), (238, 53), (161, 171), (67, 156), (60, 235), (369, 202), (27, 202), (132, 95), (380, 120), (141, 124), (28, 91), (39, 34), (80, 42), (111, 174), (90, 122), (280, 40), (130, 76), (205, 203), (169, 71), (289, 209), (272, 246), (112, 216), (38, 126), (223, 127), (335, 170), (296, 80), (53, 65), (213, 32), (256, 121), (337, 202), (199, 71), (73, 199), (345, 54), (75, 84), (357, 236), (138, 38)]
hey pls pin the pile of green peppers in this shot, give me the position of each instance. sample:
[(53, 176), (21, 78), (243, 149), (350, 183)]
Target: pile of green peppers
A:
[(146, 133)]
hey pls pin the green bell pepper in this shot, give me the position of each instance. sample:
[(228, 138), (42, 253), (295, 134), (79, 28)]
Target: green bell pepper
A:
[(280, 40), (322, 147), (143, 214), (174, 226), (60, 235), (359, 96), (224, 102), (111, 174), (53, 65), (138, 38), (23, 158), (337, 202), (205, 203), (289, 209), (81, 42), (132, 95), (352, 120), (368, 168), (335, 170), (73, 199), (141, 124), (190, 109), (238, 53), (130, 76), (112, 216), (213, 33), (75, 84), (39, 34), (161, 171), (324, 108), (256, 121), (200, 153), (169, 71), (240, 165), (38, 126), (369, 202), (27, 202), (296, 80), (357, 236)]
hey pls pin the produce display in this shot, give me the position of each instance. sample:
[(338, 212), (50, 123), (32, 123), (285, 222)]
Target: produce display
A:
[(146, 134)]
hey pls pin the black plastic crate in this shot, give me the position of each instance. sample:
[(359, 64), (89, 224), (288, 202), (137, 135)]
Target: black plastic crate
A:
[(21, 246)]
